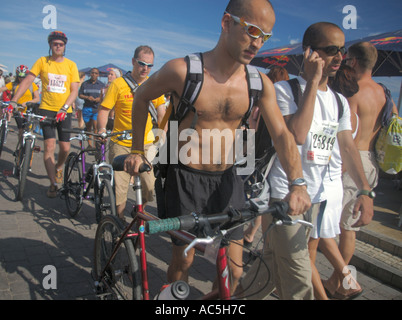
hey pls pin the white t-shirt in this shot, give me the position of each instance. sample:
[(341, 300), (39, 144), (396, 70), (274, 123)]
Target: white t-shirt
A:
[(316, 151)]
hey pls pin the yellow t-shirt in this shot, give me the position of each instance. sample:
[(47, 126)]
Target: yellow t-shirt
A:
[(27, 96), (56, 81), (120, 97)]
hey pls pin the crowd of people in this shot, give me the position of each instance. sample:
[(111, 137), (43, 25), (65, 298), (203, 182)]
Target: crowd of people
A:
[(324, 142)]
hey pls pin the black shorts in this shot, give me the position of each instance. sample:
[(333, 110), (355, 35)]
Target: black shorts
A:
[(189, 190), (20, 122), (49, 129)]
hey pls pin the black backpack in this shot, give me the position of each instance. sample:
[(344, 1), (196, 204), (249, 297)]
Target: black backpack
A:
[(192, 89)]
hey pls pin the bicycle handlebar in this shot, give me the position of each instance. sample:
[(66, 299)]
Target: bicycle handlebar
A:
[(277, 209), (118, 164), (101, 135), (31, 106)]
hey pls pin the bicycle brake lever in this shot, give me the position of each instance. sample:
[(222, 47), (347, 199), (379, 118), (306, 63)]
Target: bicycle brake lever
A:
[(196, 241), (294, 222)]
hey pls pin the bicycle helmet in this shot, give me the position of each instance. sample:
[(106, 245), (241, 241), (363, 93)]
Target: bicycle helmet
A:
[(21, 71), (57, 35)]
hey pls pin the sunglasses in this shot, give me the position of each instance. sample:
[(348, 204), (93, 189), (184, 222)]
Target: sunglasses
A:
[(251, 29), (58, 44), (144, 64), (332, 50), (22, 74)]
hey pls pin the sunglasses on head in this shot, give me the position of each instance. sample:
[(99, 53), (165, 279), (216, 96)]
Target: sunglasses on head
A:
[(332, 50), (251, 29), (144, 64)]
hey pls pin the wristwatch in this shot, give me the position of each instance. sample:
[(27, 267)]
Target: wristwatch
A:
[(298, 182), (368, 193), (65, 107)]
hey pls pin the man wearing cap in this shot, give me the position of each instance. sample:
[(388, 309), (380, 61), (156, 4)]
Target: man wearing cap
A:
[(60, 84)]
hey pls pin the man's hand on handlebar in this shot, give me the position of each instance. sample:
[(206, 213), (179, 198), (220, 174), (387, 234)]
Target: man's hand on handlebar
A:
[(12, 106), (299, 200), (133, 162), (61, 115)]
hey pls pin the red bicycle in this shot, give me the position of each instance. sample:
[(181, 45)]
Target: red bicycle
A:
[(120, 251)]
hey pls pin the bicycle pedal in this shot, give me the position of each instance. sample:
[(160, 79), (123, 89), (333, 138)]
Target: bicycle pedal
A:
[(36, 149)]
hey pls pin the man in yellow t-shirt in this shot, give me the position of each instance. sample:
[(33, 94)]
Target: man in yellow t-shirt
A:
[(60, 83), (120, 96)]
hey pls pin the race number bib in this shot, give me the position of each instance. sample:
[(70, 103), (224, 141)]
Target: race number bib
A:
[(56, 83), (323, 138)]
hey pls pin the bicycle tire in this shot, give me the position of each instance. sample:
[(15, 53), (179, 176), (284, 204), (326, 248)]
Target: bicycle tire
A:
[(72, 188), (105, 200), (122, 276), (3, 130), (24, 161)]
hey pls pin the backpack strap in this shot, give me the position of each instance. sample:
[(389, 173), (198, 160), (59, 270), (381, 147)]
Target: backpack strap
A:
[(254, 82), (193, 84), (297, 95), (296, 90), (340, 104), (134, 86), (194, 81), (387, 109)]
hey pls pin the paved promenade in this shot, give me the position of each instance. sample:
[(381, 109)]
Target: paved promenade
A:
[(37, 235)]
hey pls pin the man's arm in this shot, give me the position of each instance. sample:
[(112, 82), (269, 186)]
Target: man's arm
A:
[(353, 164), (73, 93), (299, 123), (24, 85), (285, 146), (103, 115)]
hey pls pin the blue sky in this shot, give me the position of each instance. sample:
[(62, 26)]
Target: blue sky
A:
[(102, 32)]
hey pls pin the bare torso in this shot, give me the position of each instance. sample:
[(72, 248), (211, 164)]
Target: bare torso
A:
[(220, 107), (368, 104)]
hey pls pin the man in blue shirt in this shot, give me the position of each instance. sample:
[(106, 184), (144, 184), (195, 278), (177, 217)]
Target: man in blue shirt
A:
[(90, 92)]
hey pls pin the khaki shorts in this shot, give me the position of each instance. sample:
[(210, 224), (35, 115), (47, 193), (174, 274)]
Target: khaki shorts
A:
[(350, 189), (122, 179), (287, 256)]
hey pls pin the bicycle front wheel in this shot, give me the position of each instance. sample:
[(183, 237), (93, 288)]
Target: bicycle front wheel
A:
[(72, 188), (25, 154), (3, 131), (105, 201), (121, 278)]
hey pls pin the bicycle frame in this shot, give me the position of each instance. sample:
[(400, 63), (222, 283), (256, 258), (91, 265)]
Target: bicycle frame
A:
[(139, 220), (97, 172)]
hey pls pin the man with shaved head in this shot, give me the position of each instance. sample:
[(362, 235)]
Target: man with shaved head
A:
[(210, 186)]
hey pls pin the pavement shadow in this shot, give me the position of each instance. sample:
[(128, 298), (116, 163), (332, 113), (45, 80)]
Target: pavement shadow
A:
[(67, 251)]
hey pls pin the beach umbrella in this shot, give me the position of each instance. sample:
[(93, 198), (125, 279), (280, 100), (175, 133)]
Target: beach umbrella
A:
[(290, 57)]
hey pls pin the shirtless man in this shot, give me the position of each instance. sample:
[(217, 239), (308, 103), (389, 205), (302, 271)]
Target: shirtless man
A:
[(368, 104), (222, 103)]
